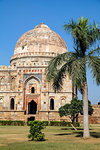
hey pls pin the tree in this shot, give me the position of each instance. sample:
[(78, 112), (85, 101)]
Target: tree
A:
[(75, 63), (74, 108)]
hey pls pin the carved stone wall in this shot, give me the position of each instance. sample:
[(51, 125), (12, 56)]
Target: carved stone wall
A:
[(32, 54)]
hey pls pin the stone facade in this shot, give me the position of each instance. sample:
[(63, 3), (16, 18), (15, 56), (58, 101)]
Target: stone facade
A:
[(95, 118), (24, 91)]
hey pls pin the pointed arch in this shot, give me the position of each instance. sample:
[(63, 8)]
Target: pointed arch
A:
[(32, 107), (31, 77)]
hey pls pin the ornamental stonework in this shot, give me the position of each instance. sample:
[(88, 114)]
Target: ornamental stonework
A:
[(24, 91)]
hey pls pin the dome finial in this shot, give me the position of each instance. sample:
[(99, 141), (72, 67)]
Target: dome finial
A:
[(41, 23)]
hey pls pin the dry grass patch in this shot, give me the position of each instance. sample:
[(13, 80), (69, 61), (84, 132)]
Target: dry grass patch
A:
[(57, 138)]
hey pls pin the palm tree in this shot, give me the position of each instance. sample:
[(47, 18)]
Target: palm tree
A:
[(76, 63)]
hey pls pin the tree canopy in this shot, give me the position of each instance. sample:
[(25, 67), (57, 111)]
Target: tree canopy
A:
[(74, 108)]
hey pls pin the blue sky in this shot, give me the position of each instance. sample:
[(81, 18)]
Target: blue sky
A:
[(19, 16)]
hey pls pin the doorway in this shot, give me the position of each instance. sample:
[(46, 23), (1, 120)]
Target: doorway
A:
[(31, 119), (32, 107)]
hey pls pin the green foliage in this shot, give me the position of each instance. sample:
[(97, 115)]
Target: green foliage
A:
[(63, 123), (54, 123), (76, 124), (64, 110), (90, 109), (46, 123), (74, 109), (59, 123), (12, 123), (35, 131), (75, 63), (29, 123)]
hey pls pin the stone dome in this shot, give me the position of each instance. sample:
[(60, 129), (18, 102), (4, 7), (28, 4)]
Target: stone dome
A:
[(40, 39)]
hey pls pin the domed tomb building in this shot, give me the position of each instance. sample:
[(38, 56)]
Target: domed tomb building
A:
[(24, 92)]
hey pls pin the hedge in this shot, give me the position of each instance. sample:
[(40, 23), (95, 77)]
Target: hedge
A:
[(46, 123), (64, 123), (57, 123), (12, 123)]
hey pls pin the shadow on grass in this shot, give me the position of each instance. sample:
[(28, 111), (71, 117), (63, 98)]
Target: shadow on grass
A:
[(63, 134), (37, 141), (92, 134), (79, 133), (95, 134), (72, 129)]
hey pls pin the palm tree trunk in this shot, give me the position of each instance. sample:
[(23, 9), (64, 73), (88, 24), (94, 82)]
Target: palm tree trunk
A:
[(86, 133)]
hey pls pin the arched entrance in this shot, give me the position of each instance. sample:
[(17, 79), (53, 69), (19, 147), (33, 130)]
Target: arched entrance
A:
[(32, 107), (32, 94)]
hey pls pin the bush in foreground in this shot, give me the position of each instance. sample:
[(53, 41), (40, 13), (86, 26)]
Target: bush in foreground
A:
[(35, 131)]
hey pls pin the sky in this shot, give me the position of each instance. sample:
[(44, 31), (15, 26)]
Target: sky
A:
[(20, 16)]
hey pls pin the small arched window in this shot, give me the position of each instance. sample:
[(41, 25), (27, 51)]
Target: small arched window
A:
[(32, 90), (52, 104), (12, 79), (12, 104)]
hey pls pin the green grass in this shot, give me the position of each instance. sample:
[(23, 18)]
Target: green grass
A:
[(57, 138)]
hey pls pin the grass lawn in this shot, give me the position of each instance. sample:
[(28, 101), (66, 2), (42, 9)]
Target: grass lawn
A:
[(57, 138)]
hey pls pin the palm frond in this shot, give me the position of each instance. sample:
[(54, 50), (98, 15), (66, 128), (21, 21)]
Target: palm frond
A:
[(74, 68), (94, 52), (74, 64), (55, 63), (84, 34), (93, 63)]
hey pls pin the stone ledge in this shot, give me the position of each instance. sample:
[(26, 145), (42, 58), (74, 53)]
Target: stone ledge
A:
[(12, 110), (11, 92), (48, 111), (33, 54), (7, 68)]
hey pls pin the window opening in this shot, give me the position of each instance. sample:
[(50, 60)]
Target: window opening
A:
[(32, 90), (52, 104), (12, 104)]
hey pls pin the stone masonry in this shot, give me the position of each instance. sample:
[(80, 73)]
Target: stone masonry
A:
[(24, 91)]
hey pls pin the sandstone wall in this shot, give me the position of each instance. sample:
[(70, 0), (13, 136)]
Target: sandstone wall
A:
[(95, 118)]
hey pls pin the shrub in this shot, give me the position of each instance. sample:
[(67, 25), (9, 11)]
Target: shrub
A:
[(35, 130), (29, 123), (76, 124), (46, 123), (64, 123), (10, 122), (56, 123), (60, 123)]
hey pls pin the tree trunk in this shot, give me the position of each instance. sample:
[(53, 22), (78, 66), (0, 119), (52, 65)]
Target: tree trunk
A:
[(76, 117), (73, 118), (86, 133)]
